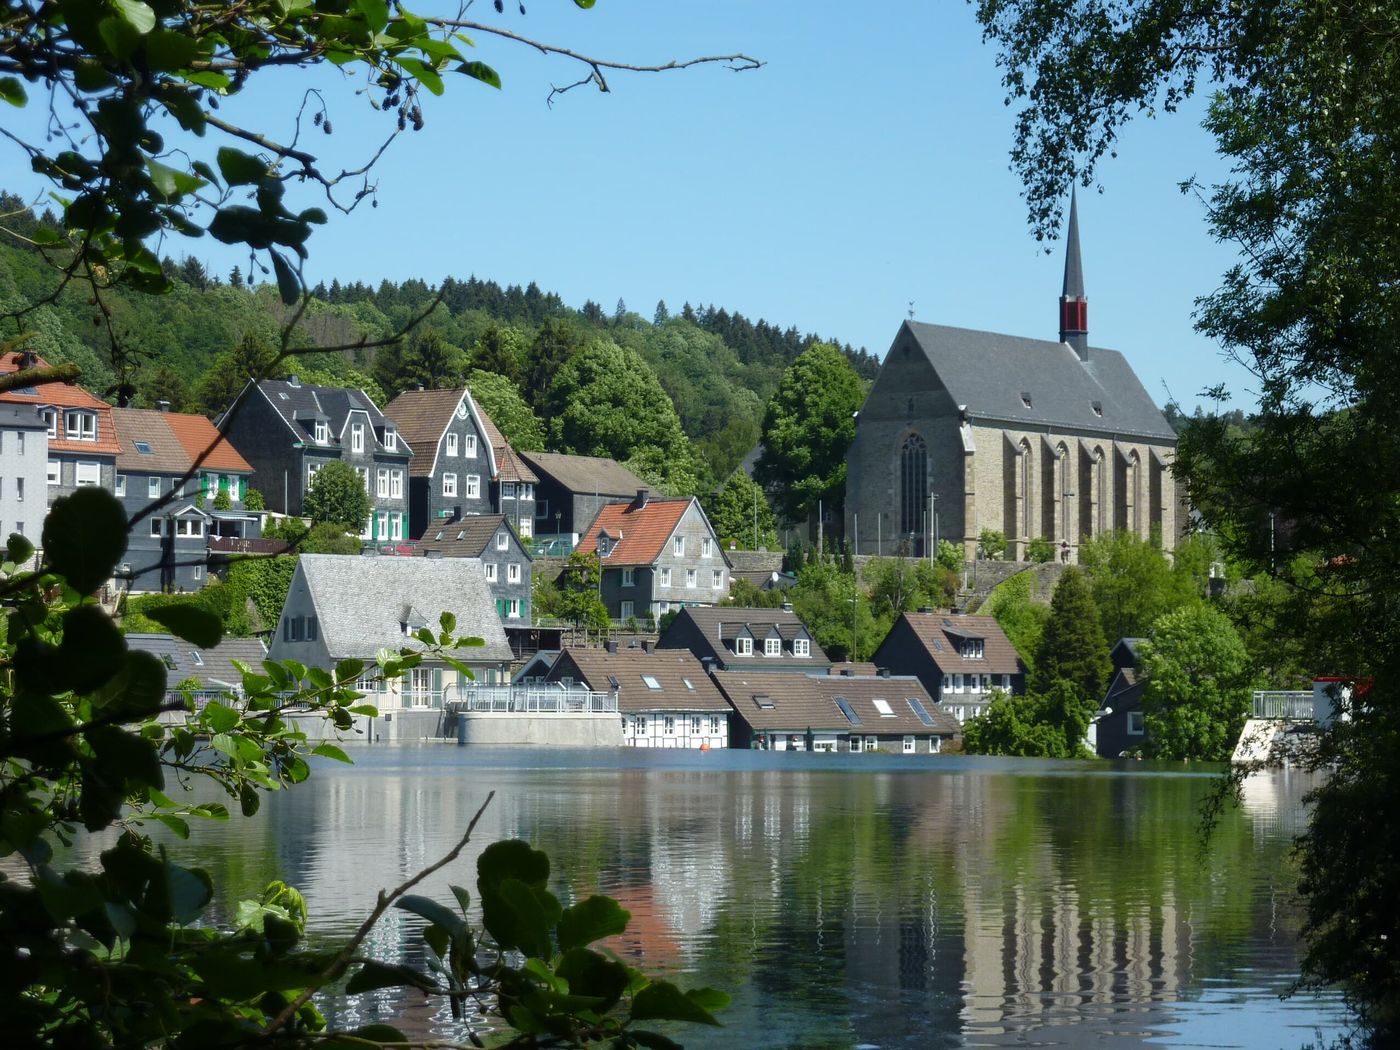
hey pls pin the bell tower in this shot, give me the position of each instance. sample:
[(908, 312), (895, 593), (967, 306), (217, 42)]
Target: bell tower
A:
[(1074, 306)]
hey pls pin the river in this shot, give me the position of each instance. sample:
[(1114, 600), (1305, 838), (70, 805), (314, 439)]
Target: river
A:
[(842, 900)]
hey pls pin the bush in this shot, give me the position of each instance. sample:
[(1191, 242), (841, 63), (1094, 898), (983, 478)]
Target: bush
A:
[(1040, 549), (253, 500), (950, 555), (222, 500), (991, 545)]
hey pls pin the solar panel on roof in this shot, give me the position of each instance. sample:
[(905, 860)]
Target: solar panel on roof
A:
[(612, 681), (917, 706), (848, 711), (938, 645)]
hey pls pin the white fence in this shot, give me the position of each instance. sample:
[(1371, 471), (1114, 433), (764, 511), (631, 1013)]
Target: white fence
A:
[(520, 699), (1293, 705)]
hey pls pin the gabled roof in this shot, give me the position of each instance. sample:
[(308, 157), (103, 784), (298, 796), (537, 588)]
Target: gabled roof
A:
[(638, 533), (61, 396), (300, 404), (670, 670), (509, 465), (213, 667), (719, 624), (360, 601), (154, 442), (204, 444), (941, 634), (988, 372), (792, 703), (468, 538), (585, 474)]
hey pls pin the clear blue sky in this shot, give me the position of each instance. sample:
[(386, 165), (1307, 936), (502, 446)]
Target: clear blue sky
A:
[(863, 167)]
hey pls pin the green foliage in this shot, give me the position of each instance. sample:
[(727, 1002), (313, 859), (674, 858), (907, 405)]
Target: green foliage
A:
[(1020, 616), (252, 358), (337, 496), (950, 556), (577, 592), (499, 399), (991, 545), (1197, 695), (737, 508), (1041, 550), (141, 613), (428, 361), (1072, 649), (807, 428), (1134, 583), (222, 500), (262, 584), (253, 500), (822, 599), (1036, 725), (900, 585), (744, 594)]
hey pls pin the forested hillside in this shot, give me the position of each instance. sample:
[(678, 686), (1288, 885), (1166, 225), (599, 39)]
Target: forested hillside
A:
[(681, 394)]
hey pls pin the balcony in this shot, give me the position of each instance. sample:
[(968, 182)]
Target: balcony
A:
[(1289, 705), (513, 699)]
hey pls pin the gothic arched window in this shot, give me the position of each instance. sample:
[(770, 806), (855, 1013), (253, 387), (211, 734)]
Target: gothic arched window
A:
[(913, 485)]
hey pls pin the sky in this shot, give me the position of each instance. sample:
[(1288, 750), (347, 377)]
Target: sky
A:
[(863, 168)]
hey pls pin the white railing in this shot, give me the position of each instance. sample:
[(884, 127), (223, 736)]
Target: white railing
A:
[(1294, 705), (516, 699)]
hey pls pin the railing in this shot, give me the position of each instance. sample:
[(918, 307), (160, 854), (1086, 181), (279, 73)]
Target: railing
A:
[(1294, 705), (515, 699)]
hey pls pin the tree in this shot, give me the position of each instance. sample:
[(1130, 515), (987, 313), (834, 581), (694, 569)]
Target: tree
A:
[(337, 496), (991, 545), (496, 396), (578, 600), (252, 358), (899, 585), (500, 349), (165, 384), (555, 343), (740, 511), (1020, 616), (1197, 691), (662, 315), (1304, 111), (1134, 584), (428, 361), (823, 599), (1041, 550), (1034, 725), (254, 500), (807, 428), (1072, 648)]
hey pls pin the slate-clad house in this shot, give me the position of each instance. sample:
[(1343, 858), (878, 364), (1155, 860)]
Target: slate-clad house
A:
[(1118, 726), (24, 455), (573, 489), (960, 659), (288, 430), (454, 462), (349, 607), (82, 444), (513, 484), (657, 555), (168, 549), (732, 639), (965, 430), (788, 711), (505, 561), (665, 698)]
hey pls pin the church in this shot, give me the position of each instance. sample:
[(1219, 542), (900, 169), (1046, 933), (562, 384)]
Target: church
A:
[(964, 431)]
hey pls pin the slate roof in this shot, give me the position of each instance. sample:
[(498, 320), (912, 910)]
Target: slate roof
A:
[(423, 417), (62, 395), (301, 404), (467, 538), (800, 702), (721, 623), (585, 474), (359, 601), (214, 667), (988, 372), (639, 534), (671, 669), (21, 417), (941, 634), (1127, 652), (201, 438)]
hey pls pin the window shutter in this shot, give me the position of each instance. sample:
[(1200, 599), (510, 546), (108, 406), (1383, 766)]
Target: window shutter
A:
[(437, 681)]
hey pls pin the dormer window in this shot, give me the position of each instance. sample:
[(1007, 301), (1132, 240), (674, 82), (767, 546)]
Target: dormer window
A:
[(801, 647), (772, 647), (972, 649), (1097, 406), (79, 426), (50, 416), (1026, 398), (391, 440), (323, 433), (604, 545), (357, 437), (743, 646)]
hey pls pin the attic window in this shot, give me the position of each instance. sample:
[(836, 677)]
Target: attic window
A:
[(883, 706), (937, 645), (169, 661), (1097, 406), (612, 681), (198, 660), (763, 701), (650, 682), (917, 706), (848, 711), (688, 684), (282, 395), (1026, 398), (144, 447)]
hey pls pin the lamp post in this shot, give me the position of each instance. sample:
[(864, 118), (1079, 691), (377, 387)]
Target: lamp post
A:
[(855, 610)]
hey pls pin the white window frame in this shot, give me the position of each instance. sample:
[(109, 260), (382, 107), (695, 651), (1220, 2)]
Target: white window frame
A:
[(626, 610), (665, 580), (450, 446), (957, 683), (50, 416), (507, 490), (357, 437), (199, 572), (19, 490), (449, 484), (909, 745), (743, 646), (364, 476), (502, 540), (396, 484), (391, 440), (772, 647), (471, 446), (156, 529), (691, 578), (92, 470), (706, 547), (1137, 726), (395, 527), (512, 608), (717, 579), (491, 572), (473, 489), (801, 647), (121, 485), (80, 426), (629, 578), (382, 525), (513, 572), (678, 546), (857, 744), (323, 433), (189, 528), (153, 487), (381, 482)]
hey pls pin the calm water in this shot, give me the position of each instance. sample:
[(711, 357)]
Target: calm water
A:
[(843, 901)]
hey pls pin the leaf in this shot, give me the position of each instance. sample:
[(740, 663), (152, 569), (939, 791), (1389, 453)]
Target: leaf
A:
[(220, 717), (423, 73), (189, 622), (84, 537), (373, 975), (653, 1040), (590, 921), (589, 973), (482, 72), (511, 859), (138, 690), (12, 91), (92, 653), (331, 751), (438, 914), (349, 670), (518, 915), (663, 1001), (288, 285), (585, 4), (169, 50), (238, 168), (136, 14), (174, 823)]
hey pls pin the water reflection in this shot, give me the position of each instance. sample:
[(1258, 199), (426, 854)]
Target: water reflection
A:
[(842, 900)]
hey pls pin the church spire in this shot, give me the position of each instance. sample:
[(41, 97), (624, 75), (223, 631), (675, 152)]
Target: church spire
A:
[(1074, 306)]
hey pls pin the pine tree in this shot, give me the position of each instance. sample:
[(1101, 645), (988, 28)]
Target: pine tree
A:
[(662, 314), (1073, 648)]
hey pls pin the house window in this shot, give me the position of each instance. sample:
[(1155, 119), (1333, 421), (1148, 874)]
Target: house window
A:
[(629, 578), (690, 577), (471, 446), (855, 745), (490, 572), (502, 540), (19, 527), (670, 723), (199, 572), (396, 526), (957, 683), (152, 488), (973, 649), (189, 527), (383, 531), (678, 546), (872, 743), (391, 439), (50, 417), (527, 527), (641, 723), (772, 647), (717, 579), (382, 483), (695, 723), (19, 490), (1006, 682), (627, 611), (913, 487), (451, 449), (665, 577), (449, 484), (364, 476), (19, 442), (662, 608), (313, 629), (935, 745), (908, 745), (883, 706), (527, 491), (121, 484), (801, 647), (312, 469), (714, 723), (513, 608), (1135, 724), (513, 572), (80, 426), (155, 527), (705, 546), (396, 484), (357, 437), (651, 682), (507, 490), (88, 474), (743, 646), (473, 486), (323, 434)]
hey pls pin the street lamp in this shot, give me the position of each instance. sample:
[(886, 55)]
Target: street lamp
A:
[(855, 609)]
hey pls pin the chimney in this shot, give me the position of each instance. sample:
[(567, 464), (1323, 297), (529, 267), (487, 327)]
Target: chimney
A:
[(419, 388), (646, 645), (641, 500), (1074, 306), (162, 406), (293, 381), (884, 672), (848, 672), (610, 645), (26, 359), (787, 607), (708, 663), (926, 608)]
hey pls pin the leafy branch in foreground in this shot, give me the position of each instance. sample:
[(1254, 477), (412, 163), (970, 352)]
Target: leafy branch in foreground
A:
[(128, 954)]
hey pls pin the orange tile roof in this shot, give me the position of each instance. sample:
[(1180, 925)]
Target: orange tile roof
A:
[(196, 434), (63, 395), (640, 533)]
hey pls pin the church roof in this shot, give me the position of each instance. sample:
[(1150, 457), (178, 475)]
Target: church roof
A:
[(994, 375)]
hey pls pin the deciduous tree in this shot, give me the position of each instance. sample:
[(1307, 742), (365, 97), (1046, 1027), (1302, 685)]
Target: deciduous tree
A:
[(740, 511), (1196, 696), (337, 496), (498, 398)]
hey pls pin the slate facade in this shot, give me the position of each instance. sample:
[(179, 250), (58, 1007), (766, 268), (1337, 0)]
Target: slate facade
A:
[(760, 640), (24, 454), (504, 560), (454, 464), (962, 660), (572, 490)]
